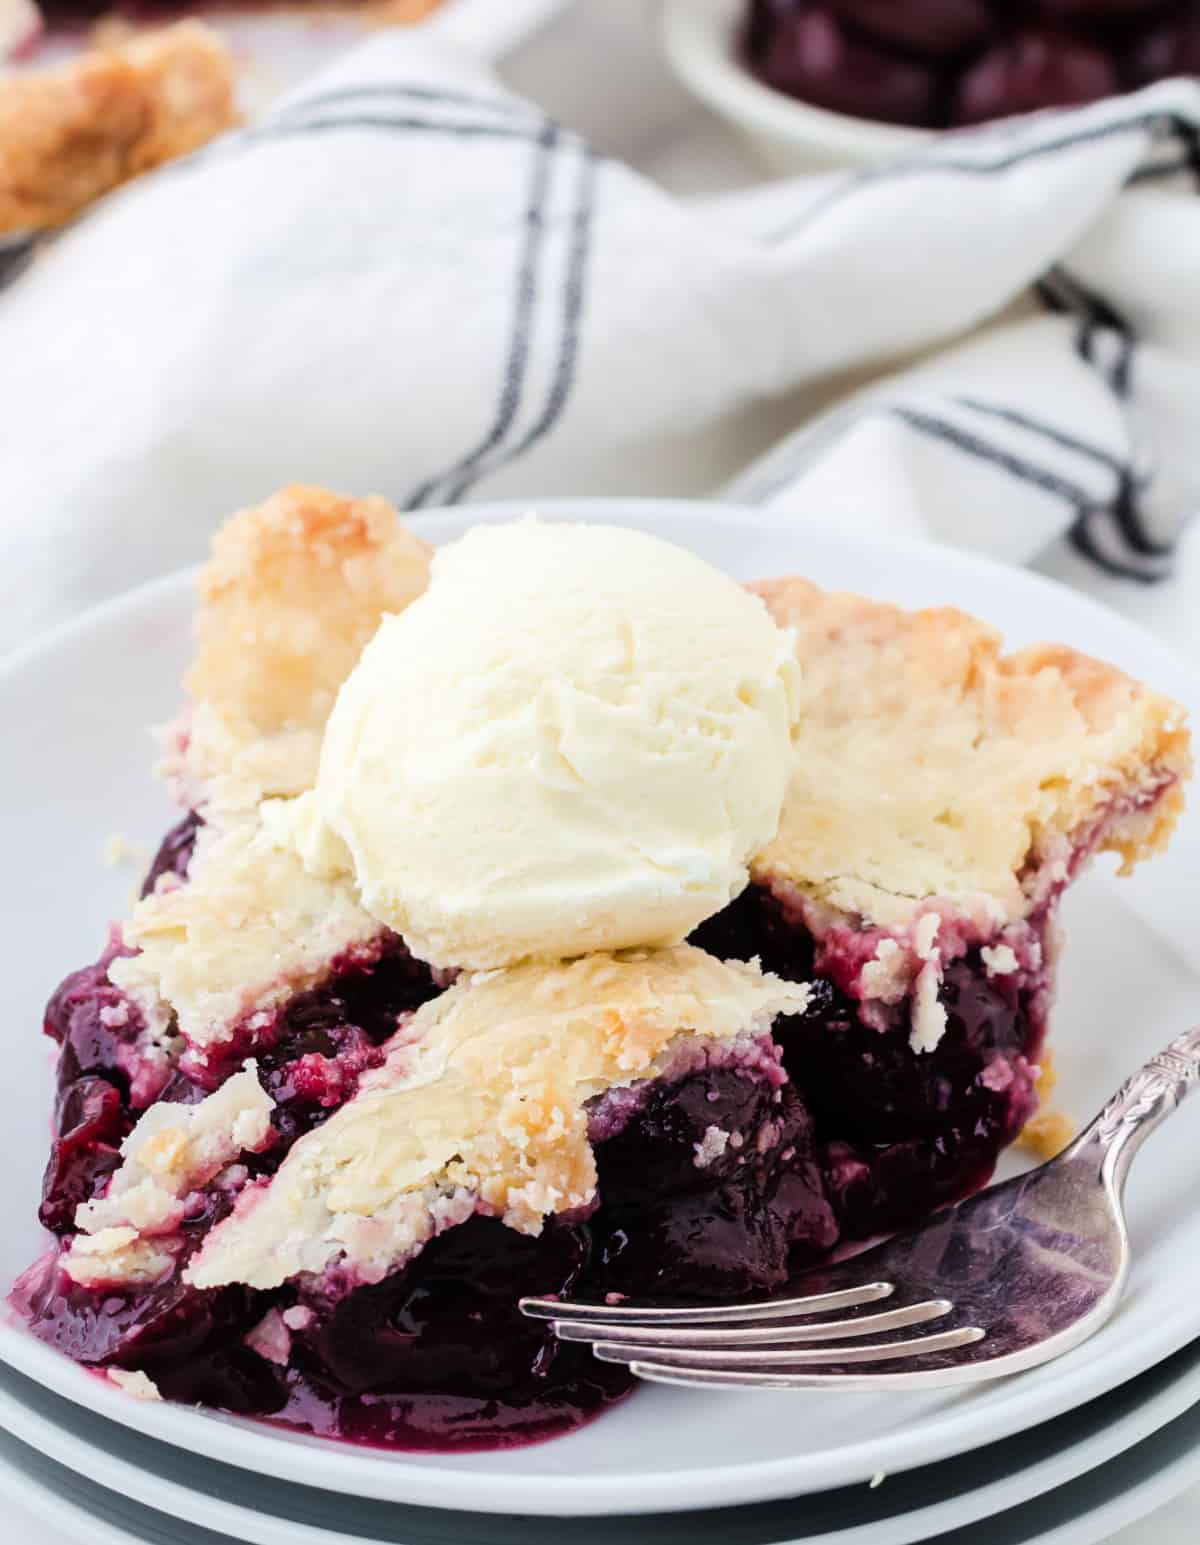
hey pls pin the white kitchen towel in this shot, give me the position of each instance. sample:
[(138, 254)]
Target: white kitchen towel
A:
[(406, 280)]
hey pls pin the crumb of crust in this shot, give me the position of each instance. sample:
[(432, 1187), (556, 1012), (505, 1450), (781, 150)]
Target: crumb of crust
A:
[(132, 1232), (121, 853), (999, 959), (173, 1151), (134, 1382), (992, 761), (294, 589), (1047, 1133), (1047, 1075), (69, 136)]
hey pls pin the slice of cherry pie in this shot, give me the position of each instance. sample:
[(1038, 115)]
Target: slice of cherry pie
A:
[(299, 1174)]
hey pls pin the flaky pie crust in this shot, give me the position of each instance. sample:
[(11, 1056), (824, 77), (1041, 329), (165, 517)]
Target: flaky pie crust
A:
[(69, 136), (929, 764), (481, 1103), (294, 589)]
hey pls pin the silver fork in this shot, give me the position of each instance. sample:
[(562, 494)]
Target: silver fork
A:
[(1015, 1276)]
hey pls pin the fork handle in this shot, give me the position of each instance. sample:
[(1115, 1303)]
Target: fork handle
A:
[(1141, 1106)]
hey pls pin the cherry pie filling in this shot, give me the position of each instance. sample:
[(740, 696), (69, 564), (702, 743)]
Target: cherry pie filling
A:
[(715, 1182)]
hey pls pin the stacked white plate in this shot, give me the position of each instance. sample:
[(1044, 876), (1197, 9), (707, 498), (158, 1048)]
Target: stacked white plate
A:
[(1065, 1454)]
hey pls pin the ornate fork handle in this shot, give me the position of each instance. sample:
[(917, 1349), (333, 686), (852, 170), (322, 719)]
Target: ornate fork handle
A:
[(1142, 1104)]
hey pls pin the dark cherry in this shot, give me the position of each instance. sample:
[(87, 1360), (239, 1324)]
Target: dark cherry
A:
[(175, 851), (370, 994), (875, 1190), (812, 55), (449, 1322), (75, 10), (1032, 70), (93, 1023), (866, 1084), (309, 1073), (438, 1355), (725, 1243), (936, 28), (1097, 10), (930, 62), (895, 1134), (654, 1153), (755, 927), (190, 1343), (761, 19), (90, 1122), (668, 1226), (1172, 48)]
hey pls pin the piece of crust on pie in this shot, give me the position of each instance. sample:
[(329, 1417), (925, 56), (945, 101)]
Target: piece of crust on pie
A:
[(932, 765)]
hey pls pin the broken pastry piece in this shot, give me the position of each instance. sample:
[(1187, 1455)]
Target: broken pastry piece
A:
[(69, 136)]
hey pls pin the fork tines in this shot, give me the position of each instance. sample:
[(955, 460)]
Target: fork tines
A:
[(771, 1344), (760, 1334), (562, 1310)]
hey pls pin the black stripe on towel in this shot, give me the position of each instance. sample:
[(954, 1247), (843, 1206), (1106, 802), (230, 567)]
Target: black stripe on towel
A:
[(287, 128), (1127, 540), (1099, 324), (1155, 122), (972, 444), (1127, 515), (525, 297), (1097, 537), (1051, 432), (293, 125), (571, 310), (340, 96), (1188, 135)]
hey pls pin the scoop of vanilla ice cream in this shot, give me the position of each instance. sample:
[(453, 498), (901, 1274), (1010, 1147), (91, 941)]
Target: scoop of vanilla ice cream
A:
[(573, 741)]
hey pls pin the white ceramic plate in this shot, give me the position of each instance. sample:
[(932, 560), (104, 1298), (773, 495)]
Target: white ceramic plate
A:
[(260, 1511), (1084, 1512), (76, 772)]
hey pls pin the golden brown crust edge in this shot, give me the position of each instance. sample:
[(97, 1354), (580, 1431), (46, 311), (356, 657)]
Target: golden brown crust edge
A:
[(1163, 742), (293, 591), (69, 136), (295, 588), (1141, 737)]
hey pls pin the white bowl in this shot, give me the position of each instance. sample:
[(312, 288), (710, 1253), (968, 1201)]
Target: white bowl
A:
[(700, 40)]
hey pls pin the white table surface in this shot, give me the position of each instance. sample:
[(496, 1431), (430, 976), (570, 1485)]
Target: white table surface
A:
[(633, 109)]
